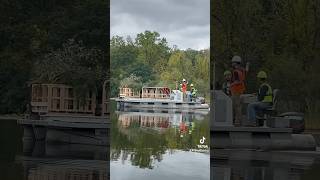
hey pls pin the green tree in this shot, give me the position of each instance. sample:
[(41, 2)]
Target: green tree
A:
[(31, 29), (152, 48), (155, 64), (75, 65)]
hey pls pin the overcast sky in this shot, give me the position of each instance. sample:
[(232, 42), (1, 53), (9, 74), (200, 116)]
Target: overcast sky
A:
[(185, 23)]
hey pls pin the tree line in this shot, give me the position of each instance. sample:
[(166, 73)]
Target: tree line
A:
[(148, 60)]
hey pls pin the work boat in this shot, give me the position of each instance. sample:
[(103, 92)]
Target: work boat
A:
[(159, 98)]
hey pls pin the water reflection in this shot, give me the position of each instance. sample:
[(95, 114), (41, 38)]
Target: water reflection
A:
[(159, 145), (41, 160), (252, 165), (37, 160)]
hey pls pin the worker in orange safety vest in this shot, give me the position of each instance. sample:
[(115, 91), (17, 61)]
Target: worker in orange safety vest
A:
[(237, 87)]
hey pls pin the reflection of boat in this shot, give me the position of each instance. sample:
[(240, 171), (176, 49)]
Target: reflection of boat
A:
[(159, 98), (195, 112), (156, 120), (151, 139)]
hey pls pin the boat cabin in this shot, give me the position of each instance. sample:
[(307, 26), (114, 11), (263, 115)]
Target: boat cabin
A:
[(156, 92), (128, 92), (146, 92), (61, 98)]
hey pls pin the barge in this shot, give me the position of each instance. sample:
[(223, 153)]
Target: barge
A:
[(159, 98)]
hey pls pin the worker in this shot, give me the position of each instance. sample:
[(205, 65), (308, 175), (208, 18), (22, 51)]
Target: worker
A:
[(227, 82), (264, 97), (193, 92), (237, 87), (184, 86)]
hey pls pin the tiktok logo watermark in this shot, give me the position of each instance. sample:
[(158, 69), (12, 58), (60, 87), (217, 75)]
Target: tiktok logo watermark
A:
[(202, 144), (202, 147), (202, 140)]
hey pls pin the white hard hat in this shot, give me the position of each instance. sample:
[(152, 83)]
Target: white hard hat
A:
[(183, 79), (236, 59)]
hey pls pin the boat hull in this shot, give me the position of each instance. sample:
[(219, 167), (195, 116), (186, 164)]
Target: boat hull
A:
[(158, 104)]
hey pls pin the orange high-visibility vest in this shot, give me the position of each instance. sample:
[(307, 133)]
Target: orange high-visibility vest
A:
[(237, 85), (184, 87)]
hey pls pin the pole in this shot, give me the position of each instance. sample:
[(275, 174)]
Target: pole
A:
[(103, 104)]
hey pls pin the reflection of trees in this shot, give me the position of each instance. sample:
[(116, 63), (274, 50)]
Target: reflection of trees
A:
[(145, 157), (144, 146)]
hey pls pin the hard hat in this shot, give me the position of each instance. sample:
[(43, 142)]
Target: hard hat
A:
[(183, 79), (262, 75), (191, 85), (236, 59), (227, 72)]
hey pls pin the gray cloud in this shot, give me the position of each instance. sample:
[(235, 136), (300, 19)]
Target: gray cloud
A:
[(184, 23)]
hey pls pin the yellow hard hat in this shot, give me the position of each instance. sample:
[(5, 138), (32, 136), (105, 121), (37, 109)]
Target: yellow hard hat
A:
[(262, 75)]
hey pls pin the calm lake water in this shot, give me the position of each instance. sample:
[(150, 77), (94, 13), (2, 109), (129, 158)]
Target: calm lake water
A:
[(142, 150), (158, 145), (28, 160), (246, 165)]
